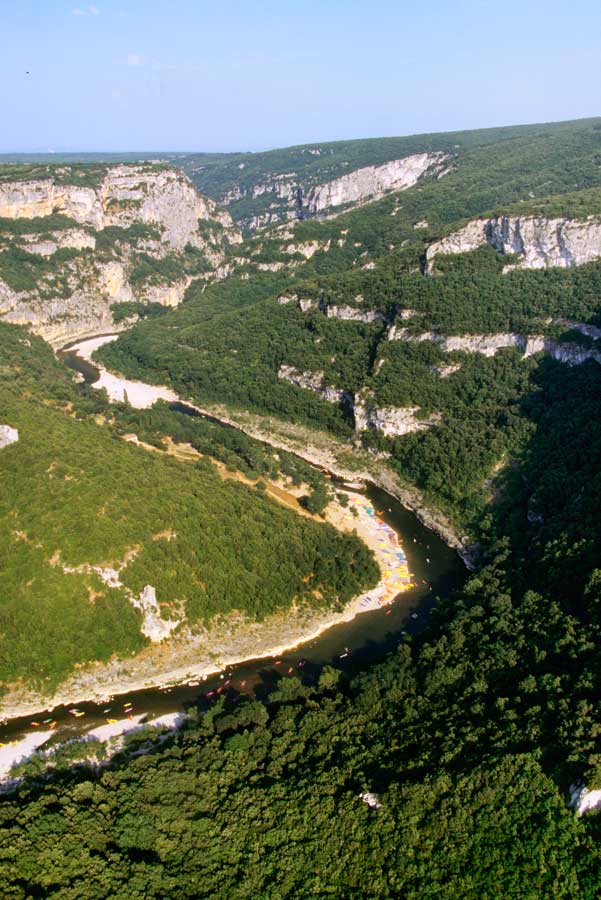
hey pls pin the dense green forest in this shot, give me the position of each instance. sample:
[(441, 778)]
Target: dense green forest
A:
[(231, 352), (74, 496), (470, 734), (316, 163)]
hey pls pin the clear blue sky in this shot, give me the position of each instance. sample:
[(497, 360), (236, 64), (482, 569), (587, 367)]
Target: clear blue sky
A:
[(254, 74)]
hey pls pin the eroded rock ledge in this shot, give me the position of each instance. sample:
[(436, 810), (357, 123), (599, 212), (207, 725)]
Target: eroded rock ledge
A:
[(489, 344), (537, 241), (368, 416), (72, 296)]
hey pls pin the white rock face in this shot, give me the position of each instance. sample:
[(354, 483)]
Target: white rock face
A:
[(305, 304), (8, 436), (350, 313), (582, 799), (153, 626), (470, 237), (485, 344), (390, 421), (167, 295), (489, 344), (371, 182), (537, 241), (312, 381), (162, 197), (371, 799)]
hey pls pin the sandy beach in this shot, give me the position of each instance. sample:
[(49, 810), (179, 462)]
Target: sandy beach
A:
[(139, 394)]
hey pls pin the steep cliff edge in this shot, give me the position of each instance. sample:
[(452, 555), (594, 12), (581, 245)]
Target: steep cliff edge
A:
[(372, 182), (278, 197), (536, 241), (70, 251)]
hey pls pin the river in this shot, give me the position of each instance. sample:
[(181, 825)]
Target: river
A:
[(437, 570)]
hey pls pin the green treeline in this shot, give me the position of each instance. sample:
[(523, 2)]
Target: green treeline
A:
[(470, 734), (73, 496), (226, 345), (469, 737)]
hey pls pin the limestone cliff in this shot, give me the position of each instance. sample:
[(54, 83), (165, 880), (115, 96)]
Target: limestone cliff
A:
[(568, 352), (140, 233), (286, 196), (390, 421), (128, 194), (371, 182), (537, 242), (368, 416)]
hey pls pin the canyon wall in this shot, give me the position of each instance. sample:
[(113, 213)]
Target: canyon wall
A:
[(137, 234), (537, 242)]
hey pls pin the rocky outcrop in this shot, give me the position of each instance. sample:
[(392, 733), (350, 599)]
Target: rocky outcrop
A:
[(73, 297), (303, 303), (538, 242), (153, 626), (389, 421), (8, 436), (343, 312), (312, 381), (445, 370), (351, 314), (583, 799), (70, 239), (489, 344), (307, 249), (127, 194), (464, 240), (372, 182)]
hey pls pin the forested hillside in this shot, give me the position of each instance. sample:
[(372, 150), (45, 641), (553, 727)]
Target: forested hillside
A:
[(341, 312), (92, 520), (466, 363)]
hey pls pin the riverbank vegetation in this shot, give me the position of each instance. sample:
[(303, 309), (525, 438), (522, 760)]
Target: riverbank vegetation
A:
[(468, 737), (227, 445), (76, 500)]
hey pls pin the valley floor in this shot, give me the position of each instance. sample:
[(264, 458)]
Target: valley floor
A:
[(194, 654)]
